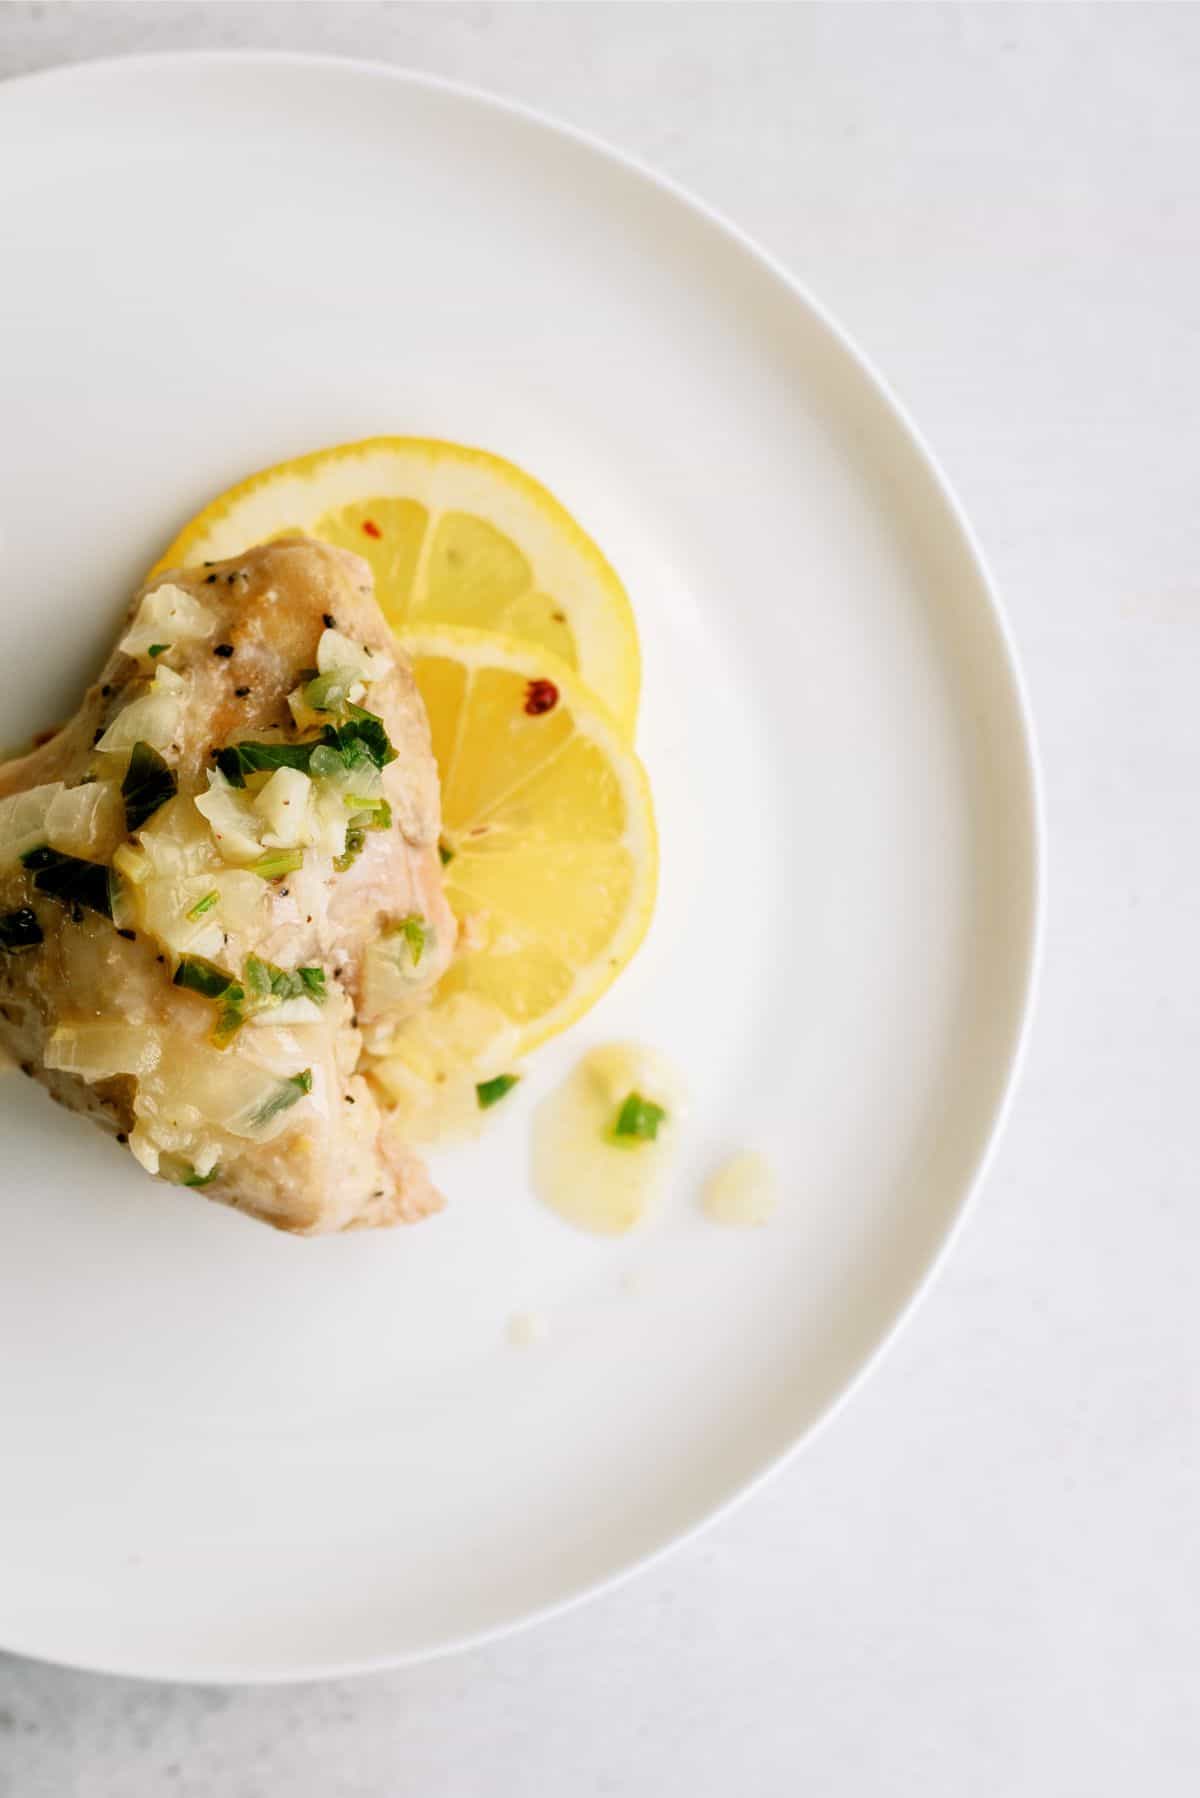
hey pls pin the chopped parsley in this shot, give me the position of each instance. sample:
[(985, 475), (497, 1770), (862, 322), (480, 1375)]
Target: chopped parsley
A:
[(148, 783), (69, 880), (287, 1094), (445, 853), (157, 649), (490, 1092), (638, 1120), (361, 739), (19, 930), (195, 1179)]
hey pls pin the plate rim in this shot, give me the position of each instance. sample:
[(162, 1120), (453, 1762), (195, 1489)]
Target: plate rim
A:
[(228, 1672)]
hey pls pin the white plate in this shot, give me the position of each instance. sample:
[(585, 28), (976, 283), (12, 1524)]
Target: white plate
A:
[(231, 1455)]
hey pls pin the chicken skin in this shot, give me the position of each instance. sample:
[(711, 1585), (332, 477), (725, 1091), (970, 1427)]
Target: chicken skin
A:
[(220, 882)]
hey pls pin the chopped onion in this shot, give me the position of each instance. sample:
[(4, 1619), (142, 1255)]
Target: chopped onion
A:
[(286, 809), (168, 615), (87, 821), (235, 824), (153, 718), (99, 1051), (341, 654), (23, 820)]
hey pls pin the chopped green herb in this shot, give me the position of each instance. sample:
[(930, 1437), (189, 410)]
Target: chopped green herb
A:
[(240, 759), (445, 853), (414, 935), (362, 739), (638, 1119), (490, 1092), (69, 880), (148, 783), (195, 1179), (199, 975), (277, 862), (282, 1099), (202, 905), (314, 983), (157, 649), (355, 839), (365, 729), (19, 930)]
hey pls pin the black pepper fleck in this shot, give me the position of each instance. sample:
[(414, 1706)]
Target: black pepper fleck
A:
[(129, 935), (329, 620), (209, 579), (224, 649), (121, 1136), (96, 738), (161, 958), (283, 892), (240, 692), (105, 691), (230, 578), (349, 1098)]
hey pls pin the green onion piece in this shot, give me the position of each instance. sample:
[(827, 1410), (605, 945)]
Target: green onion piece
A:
[(202, 905), (277, 862), (148, 783), (414, 935), (195, 1179), (355, 839), (313, 980), (69, 880), (19, 930), (490, 1092), (445, 853), (157, 649), (285, 1096), (231, 1015), (199, 975), (638, 1119), (257, 976)]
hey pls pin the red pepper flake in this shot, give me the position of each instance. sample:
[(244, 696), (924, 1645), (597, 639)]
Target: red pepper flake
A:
[(371, 528), (540, 696)]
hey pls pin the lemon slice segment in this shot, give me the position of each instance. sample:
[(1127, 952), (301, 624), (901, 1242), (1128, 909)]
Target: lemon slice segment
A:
[(454, 536)]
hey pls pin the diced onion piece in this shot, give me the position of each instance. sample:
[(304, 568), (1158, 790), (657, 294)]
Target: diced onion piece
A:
[(330, 818), (290, 1012), (335, 651), (23, 820), (393, 972), (235, 824), (87, 821), (286, 809), (99, 1051), (170, 615), (153, 718)]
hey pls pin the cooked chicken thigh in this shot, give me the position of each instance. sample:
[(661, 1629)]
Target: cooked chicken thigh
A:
[(220, 883)]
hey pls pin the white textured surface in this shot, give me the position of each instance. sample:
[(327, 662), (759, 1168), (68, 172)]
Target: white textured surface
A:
[(982, 1579)]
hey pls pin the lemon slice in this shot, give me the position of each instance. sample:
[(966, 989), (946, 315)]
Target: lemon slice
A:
[(551, 859), (454, 536)]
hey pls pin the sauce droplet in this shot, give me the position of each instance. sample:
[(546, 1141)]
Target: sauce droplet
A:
[(593, 1177), (743, 1193)]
